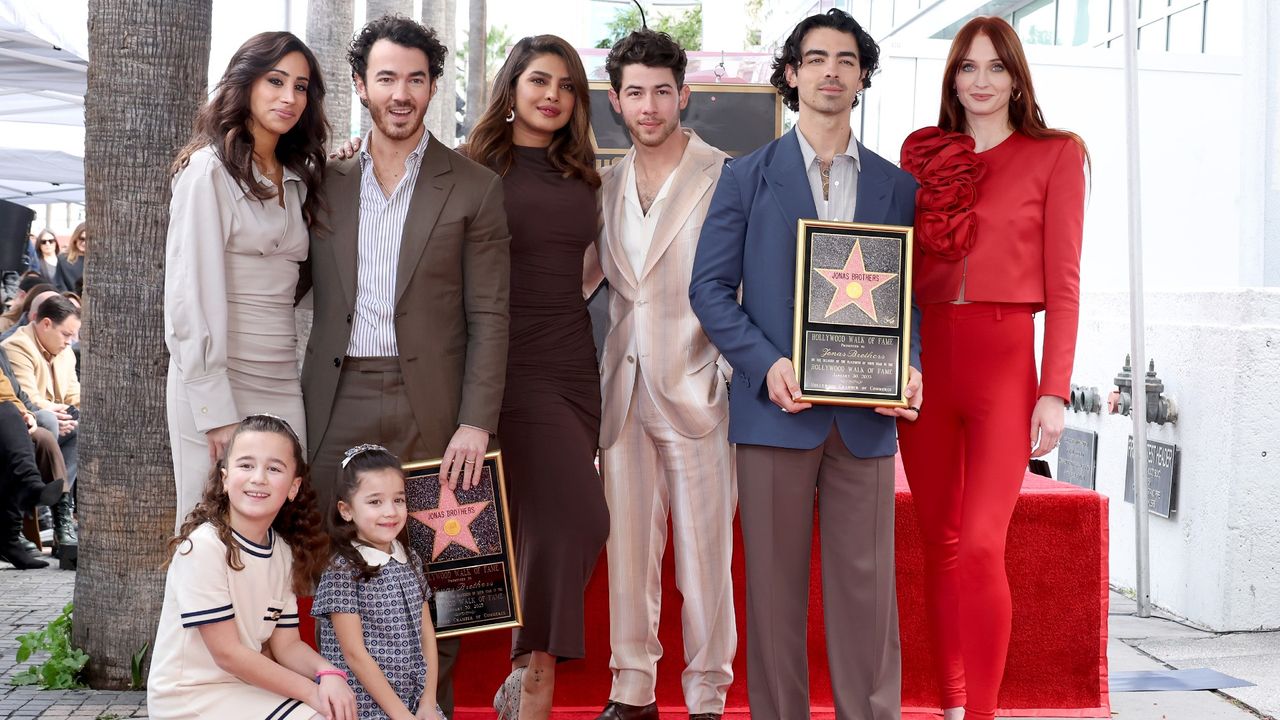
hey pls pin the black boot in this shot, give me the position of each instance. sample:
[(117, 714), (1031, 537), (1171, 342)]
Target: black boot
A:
[(64, 532), (12, 551), (22, 540)]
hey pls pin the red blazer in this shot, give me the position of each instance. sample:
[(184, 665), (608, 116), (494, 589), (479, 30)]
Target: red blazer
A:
[(1029, 216)]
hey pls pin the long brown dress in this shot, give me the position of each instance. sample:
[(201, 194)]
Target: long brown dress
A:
[(550, 423)]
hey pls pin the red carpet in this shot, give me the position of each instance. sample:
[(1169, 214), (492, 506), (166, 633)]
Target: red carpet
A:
[(1057, 560)]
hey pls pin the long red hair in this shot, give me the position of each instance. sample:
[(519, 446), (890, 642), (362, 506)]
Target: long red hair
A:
[(1024, 112)]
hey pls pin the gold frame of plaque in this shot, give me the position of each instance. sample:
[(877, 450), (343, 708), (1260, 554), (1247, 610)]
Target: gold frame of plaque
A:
[(504, 557), (854, 323)]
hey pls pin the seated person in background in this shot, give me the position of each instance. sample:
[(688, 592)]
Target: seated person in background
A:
[(63, 428), (15, 310), (37, 293), (31, 473), (40, 353)]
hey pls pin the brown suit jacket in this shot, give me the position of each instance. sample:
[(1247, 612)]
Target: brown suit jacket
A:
[(651, 324), (451, 296)]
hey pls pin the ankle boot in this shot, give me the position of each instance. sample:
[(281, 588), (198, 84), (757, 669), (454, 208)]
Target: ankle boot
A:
[(64, 525), (11, 551)]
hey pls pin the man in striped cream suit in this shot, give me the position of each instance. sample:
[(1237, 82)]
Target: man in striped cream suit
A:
[(664, 430)]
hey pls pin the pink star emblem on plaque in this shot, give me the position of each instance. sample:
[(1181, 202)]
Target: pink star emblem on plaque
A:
[(854, 284), (451, 522)]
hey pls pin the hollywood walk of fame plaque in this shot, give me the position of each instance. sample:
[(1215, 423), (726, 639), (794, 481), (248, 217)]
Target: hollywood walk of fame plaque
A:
[(852, 338), (464, 537)]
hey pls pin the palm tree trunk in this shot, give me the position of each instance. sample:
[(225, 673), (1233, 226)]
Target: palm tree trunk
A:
[(374, 9), (144, 85), (330, 25), (477, 34), (441, 120)]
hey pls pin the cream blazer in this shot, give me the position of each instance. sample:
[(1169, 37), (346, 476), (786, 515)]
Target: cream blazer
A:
[(651, 325), (32, 372)]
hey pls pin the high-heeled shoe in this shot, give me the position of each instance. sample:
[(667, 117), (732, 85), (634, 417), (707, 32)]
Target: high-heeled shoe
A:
[(506, 701)]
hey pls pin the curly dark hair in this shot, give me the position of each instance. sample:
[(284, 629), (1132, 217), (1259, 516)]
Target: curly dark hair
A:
[(297, 523), (223, 122), (649, 48), (401, 31), (789, 55)]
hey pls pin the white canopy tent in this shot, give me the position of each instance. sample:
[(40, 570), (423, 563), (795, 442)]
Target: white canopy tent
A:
[(43, 70), (43, 66), (36, 177)]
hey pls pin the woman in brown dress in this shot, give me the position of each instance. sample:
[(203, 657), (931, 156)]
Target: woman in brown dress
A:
[(535, 135)]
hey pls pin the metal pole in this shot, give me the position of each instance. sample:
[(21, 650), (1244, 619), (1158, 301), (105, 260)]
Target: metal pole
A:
[(1136, 320)]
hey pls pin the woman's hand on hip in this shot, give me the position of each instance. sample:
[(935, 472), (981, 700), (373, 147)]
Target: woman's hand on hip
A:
[(1046, 424)]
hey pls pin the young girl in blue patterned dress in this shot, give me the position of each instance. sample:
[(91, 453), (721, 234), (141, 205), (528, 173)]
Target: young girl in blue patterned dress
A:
[(371, 604)]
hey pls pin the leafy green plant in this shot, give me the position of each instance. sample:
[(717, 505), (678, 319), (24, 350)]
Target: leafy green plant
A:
[(138, 681), (61, 669)]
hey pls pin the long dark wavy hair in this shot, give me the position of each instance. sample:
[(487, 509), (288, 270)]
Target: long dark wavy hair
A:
[(1024, 112), (297, 523), (223, 122), (343, 534), (570, 152)]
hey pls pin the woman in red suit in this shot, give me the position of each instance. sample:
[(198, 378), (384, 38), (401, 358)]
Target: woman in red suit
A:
[(998, 230)]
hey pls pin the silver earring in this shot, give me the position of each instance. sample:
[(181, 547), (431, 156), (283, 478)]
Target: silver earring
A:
[(511, 116), (1017, 96)]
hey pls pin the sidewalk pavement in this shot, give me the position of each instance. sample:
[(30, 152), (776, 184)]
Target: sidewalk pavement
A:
[(31, 599)]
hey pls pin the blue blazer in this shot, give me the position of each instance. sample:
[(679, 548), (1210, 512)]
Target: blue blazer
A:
[(749, 240)]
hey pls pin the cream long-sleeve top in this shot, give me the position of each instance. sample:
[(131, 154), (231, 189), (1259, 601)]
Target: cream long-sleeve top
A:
[(231, 267)]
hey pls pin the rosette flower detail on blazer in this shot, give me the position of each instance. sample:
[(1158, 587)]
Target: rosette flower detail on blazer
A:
[(948, 171)]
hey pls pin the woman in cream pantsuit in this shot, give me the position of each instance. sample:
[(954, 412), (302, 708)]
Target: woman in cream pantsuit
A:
[(238, 230)]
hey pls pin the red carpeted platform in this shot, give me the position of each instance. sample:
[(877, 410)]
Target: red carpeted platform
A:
[(1057, 560)]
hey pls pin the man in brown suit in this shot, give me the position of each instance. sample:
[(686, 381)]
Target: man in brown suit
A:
[(409, 267)]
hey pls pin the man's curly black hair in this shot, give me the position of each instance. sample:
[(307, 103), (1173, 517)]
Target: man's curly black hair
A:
[(401, 31), (789, 55)]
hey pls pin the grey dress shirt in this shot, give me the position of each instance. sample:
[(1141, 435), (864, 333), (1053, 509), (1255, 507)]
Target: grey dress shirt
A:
[(842, 195)]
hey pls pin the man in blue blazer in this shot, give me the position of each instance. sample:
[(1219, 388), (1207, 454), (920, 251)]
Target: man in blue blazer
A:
[(788, 451)]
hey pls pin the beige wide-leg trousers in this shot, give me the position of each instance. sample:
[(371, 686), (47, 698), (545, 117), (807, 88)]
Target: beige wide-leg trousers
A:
[(651, 472)]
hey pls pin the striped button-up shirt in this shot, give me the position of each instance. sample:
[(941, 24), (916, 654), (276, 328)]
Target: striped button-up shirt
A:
[(382, 219)]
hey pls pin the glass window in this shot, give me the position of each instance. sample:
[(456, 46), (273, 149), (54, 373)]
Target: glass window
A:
[(1035, 23), (1186, 30), (1223, 27), (1077, 19), (1153, 37)]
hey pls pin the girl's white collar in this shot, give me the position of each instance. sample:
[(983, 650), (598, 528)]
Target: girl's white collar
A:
[(377, 558)]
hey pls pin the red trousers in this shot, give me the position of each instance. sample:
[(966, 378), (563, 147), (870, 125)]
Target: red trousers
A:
[(965, 458)]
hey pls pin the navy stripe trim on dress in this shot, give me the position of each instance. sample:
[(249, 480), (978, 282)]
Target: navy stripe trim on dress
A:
[(207, 621), (224, 608), (283, 709), (254, 548)]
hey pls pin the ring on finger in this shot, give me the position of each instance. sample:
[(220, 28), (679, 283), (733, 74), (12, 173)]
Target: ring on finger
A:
[(468, 462)]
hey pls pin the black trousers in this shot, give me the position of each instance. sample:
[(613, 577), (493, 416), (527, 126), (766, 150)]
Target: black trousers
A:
[(21, 481)]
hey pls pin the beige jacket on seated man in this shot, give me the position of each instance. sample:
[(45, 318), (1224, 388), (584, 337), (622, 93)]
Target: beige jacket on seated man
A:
[(47, 379)]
